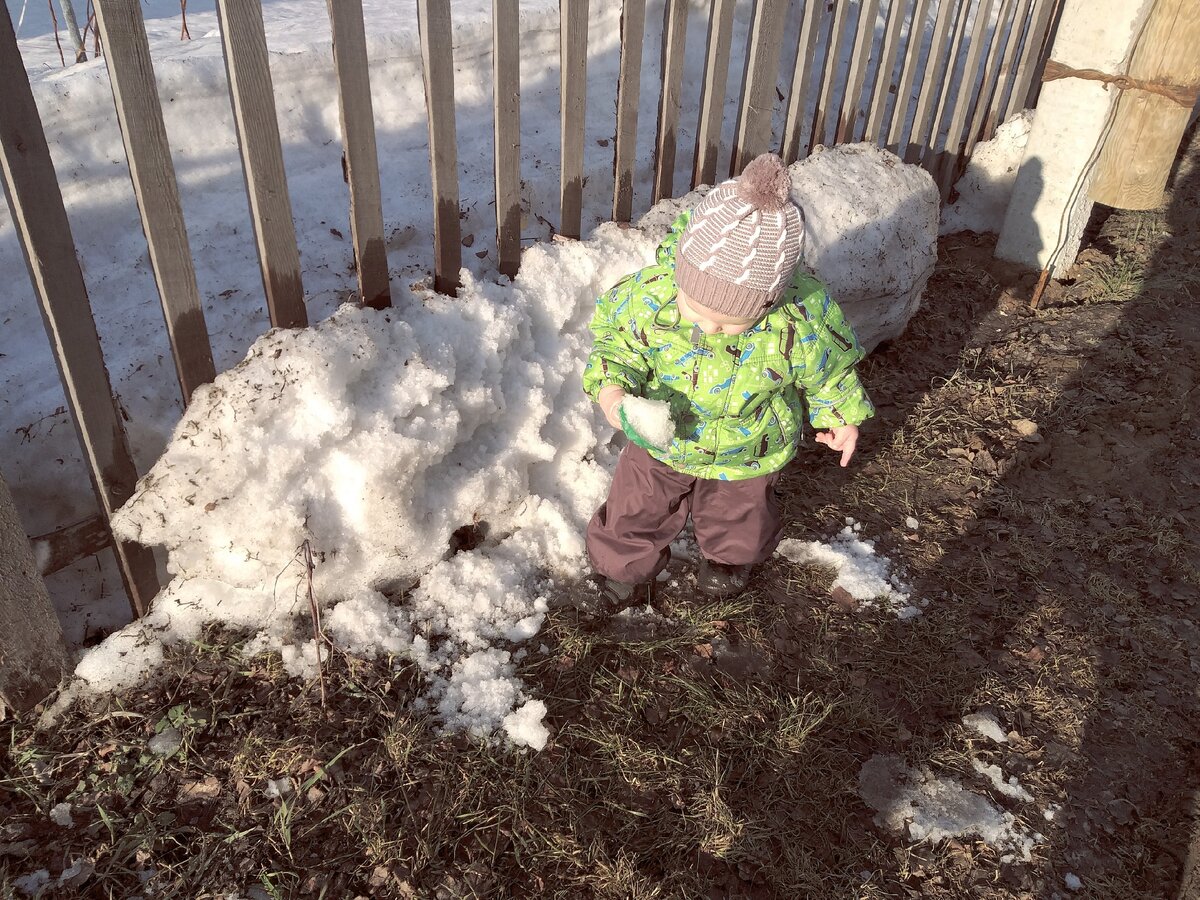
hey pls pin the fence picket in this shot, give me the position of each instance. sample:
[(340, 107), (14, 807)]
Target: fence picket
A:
[(674, 42), (253, 101), (753, 130), (1006, 73), (945, 89), (40, 219), (883, 74), (793, 122), (932, 81), (712, 92), (1031, 53), (1001, 37), (633, 28), (573, 33), (859, 58), (942, 148), (506, 102), (437, 66), (131, 74), (912, 54), (362, 158)]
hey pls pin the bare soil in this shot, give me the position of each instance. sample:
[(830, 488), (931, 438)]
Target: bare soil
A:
[(715, 751)]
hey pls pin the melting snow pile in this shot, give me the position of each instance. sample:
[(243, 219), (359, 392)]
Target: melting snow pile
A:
[(651, 419), (861, 571), (931, 808), (985, 188), (374, 436)]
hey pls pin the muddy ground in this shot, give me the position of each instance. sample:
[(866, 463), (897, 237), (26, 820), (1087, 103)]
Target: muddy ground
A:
[(717, 751)]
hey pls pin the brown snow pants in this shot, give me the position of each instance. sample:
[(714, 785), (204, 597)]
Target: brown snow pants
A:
[(736, 522)]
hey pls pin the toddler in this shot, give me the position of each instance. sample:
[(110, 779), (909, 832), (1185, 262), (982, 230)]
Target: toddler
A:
[(726, 331)]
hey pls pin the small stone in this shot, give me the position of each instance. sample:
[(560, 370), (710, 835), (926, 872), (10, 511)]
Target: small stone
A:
[(1024, 427), (844, 598), (911, 523)]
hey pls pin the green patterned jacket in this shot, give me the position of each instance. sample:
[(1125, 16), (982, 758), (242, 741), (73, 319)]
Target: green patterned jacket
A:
[(737, 400)]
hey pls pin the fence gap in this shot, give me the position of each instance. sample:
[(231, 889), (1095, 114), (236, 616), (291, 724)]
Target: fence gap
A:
[(753, 131), (932, 79), (40, 218), (712, 92), (898, 122), (883, 75), (437, 66), (860, 57), (633, 28), (253, 101), (572, 41), (361, 156), (673, 48), (506, 102), (139, 114), (810, 29)]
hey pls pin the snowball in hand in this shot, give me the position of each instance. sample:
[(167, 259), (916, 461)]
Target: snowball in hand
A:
[(647, 422)]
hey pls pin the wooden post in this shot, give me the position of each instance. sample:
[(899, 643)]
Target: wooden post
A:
[(1147, 127), (633, 27), (573, 30), (859, 58), (828, 75), (674, 36), (131, 73), (36, 205), (912, 53), (814, 18), (753, 131), (362, 158), (437, 64), (506, 106), (33, 654), (712, 92), (253, 101), (883, 75)]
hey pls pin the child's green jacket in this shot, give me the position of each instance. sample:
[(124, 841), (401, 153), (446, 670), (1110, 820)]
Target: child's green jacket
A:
[(736, 399)]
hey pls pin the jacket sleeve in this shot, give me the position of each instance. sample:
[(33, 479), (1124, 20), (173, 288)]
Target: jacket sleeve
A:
[(614, 359), (825, 368), (665, 255)]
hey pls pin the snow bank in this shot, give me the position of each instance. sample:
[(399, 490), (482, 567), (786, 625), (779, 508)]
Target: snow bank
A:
[(984, 189)]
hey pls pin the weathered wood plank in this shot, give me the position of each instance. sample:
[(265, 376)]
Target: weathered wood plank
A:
[(362, 157), (753, 131), (948, 86), (859, 58), (828, 75), (59, 549), (36, 205), (1006, 75), (793, 123), (33, 654), (912, 55), (253, 101), (1031, 50), (883, 75), (573, 34), (712, 92), (437, 58), (932, 81), (944, 150), (139, 114), (633, 29), (506, 104), (1002, 37), (673, 47)]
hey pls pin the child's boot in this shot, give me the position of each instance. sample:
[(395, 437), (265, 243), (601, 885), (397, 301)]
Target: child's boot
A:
[(618, 595), (721, 580)]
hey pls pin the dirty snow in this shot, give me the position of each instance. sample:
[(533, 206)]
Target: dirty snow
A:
[(1010, 788), (985, 187), (986, 724), (651, 419), (860, 570)]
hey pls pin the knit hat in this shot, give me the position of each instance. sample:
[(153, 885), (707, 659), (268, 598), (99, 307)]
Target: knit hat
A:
[(739, 250)]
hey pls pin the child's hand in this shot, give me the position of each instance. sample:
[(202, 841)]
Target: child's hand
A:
[(842, 438), (609, 398)]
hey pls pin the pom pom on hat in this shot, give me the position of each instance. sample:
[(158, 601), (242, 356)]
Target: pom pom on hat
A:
[(765, 183)]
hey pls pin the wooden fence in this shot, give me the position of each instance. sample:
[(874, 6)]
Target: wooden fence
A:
[(848, 84)]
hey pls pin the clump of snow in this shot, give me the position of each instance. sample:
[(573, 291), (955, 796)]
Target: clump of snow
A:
[(1010, 788), (1073, 882), (651, 419), (986, 724), (911, 524), (865, 574), (525, 728), (931, 808), (278, 787), (61, 815), (984, 189), (165, 742)]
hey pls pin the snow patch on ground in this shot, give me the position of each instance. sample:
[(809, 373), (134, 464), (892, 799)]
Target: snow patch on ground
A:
[(861, 571), (986, 724)]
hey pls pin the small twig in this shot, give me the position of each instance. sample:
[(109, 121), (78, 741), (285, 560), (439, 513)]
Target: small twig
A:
[(318, 634), (54, 19), (184, 34)]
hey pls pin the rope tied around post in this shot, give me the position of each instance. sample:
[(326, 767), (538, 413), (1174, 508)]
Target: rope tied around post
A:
[(1183, 94)]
